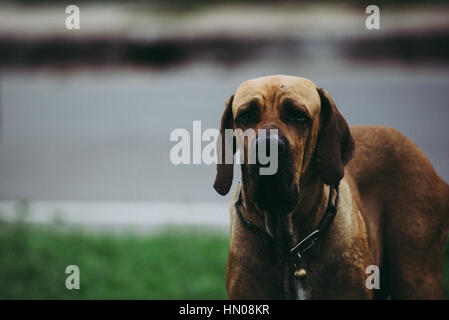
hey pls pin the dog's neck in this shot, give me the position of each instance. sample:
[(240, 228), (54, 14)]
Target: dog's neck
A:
[(310, 208), (290, 228)]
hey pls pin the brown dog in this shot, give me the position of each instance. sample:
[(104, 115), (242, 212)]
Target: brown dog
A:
[(392, 212)]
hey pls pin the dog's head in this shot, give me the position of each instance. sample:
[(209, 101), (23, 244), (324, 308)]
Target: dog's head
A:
[(312, 137)]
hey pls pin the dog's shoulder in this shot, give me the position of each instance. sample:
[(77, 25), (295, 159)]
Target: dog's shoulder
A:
[(384, 155), (383, 139)]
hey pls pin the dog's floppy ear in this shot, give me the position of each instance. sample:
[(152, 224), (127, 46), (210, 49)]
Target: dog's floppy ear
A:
[(335, 146), (225, 171)]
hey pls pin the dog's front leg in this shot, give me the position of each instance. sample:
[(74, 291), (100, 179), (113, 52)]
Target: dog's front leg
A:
[(252, 271)]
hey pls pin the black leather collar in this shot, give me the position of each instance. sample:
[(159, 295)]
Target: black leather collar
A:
[(296, 253)]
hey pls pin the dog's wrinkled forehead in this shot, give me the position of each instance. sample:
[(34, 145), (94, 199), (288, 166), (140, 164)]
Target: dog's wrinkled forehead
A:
[(270, 91)]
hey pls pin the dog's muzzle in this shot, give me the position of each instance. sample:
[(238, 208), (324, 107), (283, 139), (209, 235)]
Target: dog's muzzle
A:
[(277, 192)]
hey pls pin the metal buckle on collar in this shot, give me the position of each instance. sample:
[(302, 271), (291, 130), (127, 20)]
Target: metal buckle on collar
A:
[(308, 242)]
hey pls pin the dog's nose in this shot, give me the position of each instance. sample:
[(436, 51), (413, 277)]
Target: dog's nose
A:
[(264, 142)]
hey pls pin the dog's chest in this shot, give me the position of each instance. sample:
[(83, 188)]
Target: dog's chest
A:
[(322, 263), (302, 291)]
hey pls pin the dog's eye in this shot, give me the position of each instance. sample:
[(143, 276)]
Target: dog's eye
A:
[(295, 115), (247, 116)]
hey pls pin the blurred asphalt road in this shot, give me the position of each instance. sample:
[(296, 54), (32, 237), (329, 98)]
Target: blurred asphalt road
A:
[(104, 135)]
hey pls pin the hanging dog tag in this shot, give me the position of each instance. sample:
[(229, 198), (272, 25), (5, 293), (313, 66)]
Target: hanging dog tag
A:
[(300, 273)]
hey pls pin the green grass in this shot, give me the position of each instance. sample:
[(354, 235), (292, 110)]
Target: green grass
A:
[(170, 265)]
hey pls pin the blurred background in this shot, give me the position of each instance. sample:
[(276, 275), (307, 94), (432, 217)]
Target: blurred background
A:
[(86, 116)]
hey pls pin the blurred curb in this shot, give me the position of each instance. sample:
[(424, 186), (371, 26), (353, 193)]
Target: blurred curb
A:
[(121, 34), (140, 217)]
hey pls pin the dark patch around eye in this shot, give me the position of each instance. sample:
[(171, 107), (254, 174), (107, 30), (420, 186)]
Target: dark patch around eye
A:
[(249, 114), (293, 114)]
